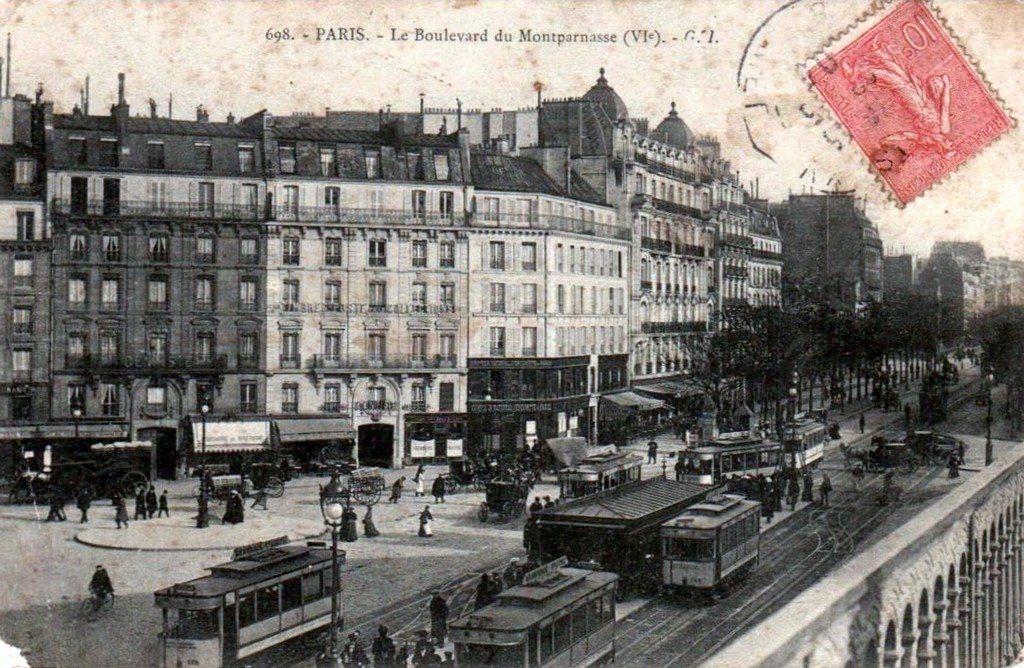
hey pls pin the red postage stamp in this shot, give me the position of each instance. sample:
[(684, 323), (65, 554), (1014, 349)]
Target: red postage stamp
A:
[(909, 98)]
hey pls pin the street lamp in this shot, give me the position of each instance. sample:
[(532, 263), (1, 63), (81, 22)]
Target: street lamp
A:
[(793, 392), (77, 414), (203, 518), (796, 387), (988, 422), (333, 497)]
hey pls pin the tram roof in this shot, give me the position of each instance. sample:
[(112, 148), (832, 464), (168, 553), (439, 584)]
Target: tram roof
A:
[(520, 607), (605, 462), (629, 503), (256, 568), (712, 512)]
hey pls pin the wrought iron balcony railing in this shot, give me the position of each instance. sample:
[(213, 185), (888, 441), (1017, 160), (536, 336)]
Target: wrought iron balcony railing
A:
[(340, 362), (146, 362), (673, 327), (673, 207)]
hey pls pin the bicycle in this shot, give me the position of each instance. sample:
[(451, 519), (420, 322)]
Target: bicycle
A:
[(97, 606)]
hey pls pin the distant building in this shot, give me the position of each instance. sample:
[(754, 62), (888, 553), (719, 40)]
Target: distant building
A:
[(900, 273), (832, 250)]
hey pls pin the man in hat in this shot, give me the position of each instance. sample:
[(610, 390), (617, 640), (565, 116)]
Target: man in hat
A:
[(511, 574)]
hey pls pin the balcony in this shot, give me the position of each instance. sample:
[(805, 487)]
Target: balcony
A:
[(290, 361), (250, 363), (645, 285), (737, 240), (148, 363), (666, 169), (321, 363), (417, 406), (735, 272), (682, 209), (691, 249), (151, 209), (765, 255), (529, 352), (674, 327), (24, 281), (333, 407), (379, 216), (553, 222), (656, 245), (734, 302)]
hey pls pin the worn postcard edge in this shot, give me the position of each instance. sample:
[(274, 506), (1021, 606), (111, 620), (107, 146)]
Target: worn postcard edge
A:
[(877, 11)]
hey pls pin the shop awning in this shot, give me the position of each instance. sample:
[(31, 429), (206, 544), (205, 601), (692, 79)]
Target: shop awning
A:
[(633, 400), (231, 436), (121, 445), (570, 450), (669, 388), (318, 429)]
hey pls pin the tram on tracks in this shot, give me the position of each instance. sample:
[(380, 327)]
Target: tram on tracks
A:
[(804, 443), (597, 472), (558, 616), (712, 545), (714, 462), (269, 593)]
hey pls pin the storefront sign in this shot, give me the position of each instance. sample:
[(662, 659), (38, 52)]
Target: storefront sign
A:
[(454, 447), (423, 448), (435, 418), (228, 434)]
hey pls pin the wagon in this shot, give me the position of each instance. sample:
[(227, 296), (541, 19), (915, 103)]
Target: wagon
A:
[(505, 500), (884, 455)]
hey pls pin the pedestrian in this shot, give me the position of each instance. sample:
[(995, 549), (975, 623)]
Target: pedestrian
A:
[(483, 592), (768, 504), (121, 514), (548, 503), (793, 492), (449, 659), (960, 454), (140, 504), (511, 574), (164, 511), (536, 506), (260, 499), (954, 467), (234, 511), (861, 421), (418, 479), (396, 490), (652, 452), (84, 501), (56, 513), (808, 493), (369, 528), (437, 489), (349, 524), (425, 519), (438, 619), (826, 489), (423, 650), (151, 502), (402, 659), (383, 648), (679, 467)]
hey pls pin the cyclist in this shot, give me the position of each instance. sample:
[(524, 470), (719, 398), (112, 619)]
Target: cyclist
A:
[(100, 586)]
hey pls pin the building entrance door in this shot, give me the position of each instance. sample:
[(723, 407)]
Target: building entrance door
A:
[(165, 443), (376, 445)]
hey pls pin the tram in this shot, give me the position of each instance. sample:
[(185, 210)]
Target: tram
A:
[(597, 472), (804, 443), (716, 461), (269, 593), (558, 616), (711, 545)]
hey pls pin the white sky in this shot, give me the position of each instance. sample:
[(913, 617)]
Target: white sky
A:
[(216, 53)]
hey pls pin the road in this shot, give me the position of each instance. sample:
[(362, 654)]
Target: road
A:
[(668, 632)]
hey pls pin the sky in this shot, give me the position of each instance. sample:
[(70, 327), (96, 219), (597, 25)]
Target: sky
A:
[(735, 68)]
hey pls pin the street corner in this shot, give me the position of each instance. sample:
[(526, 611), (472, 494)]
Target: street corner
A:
[(181, 535)]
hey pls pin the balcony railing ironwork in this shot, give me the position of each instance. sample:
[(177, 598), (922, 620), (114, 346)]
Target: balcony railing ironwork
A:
[(291, 361), (156, 209), (667, 170), (657, 245), (333, 214), (645, 285), (331, 362), (737, 240), (765, 254), (674, 207), (146, 362), (673, 327)]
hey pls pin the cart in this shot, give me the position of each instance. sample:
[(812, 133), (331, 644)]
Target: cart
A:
[(884, 456), (506, 500), (267, 477)]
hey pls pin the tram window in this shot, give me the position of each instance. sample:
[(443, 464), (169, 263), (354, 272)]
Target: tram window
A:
[(547, 642), (246, 608), (751, 460), (291, 594), (579, 623), (608, 608), (267, 604), (726, 463), (563, 637), (690, 549), (489, 655), (311, 587), (198, 624), (593, 615)]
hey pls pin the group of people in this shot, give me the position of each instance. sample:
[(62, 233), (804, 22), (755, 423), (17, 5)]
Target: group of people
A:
[(492, 584), (148, 506), (791, 486)]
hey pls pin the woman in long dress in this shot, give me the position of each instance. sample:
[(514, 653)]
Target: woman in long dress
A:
[(425, 520), (369, 528), (418, 479), (349, 528)]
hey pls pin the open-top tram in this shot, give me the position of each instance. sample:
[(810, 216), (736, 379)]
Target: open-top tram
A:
[(558, 616), (268, 594)]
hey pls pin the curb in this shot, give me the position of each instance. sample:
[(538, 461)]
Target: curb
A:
[(78, 539)]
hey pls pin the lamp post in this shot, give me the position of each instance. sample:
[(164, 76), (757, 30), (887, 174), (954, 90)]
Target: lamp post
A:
[(203, 518), (796, 387), (988, 421), (333, 497), (792, 421), (77, 414)]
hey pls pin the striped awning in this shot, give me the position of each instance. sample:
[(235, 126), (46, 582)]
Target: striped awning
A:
[(231, 436), (633, 400)]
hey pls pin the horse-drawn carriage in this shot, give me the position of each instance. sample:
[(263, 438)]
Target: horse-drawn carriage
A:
[(105, 471), (505, 499), (883, 455), (260, 476)]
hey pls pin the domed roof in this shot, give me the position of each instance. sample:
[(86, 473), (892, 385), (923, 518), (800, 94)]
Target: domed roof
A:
[(673, 130), (605, 96)]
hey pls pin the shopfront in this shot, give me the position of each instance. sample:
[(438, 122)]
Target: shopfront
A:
[(305, 438), (37, 448), (229, 443), (435, 437)]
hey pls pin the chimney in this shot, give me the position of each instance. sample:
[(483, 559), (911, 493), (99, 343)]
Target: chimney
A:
[(152, 108), (120, 88), (458, 114), (85, 105), (120, 111), (231, 118), (170, 104), (7, 90), (202, 116), (1, 73), (540, 118)]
